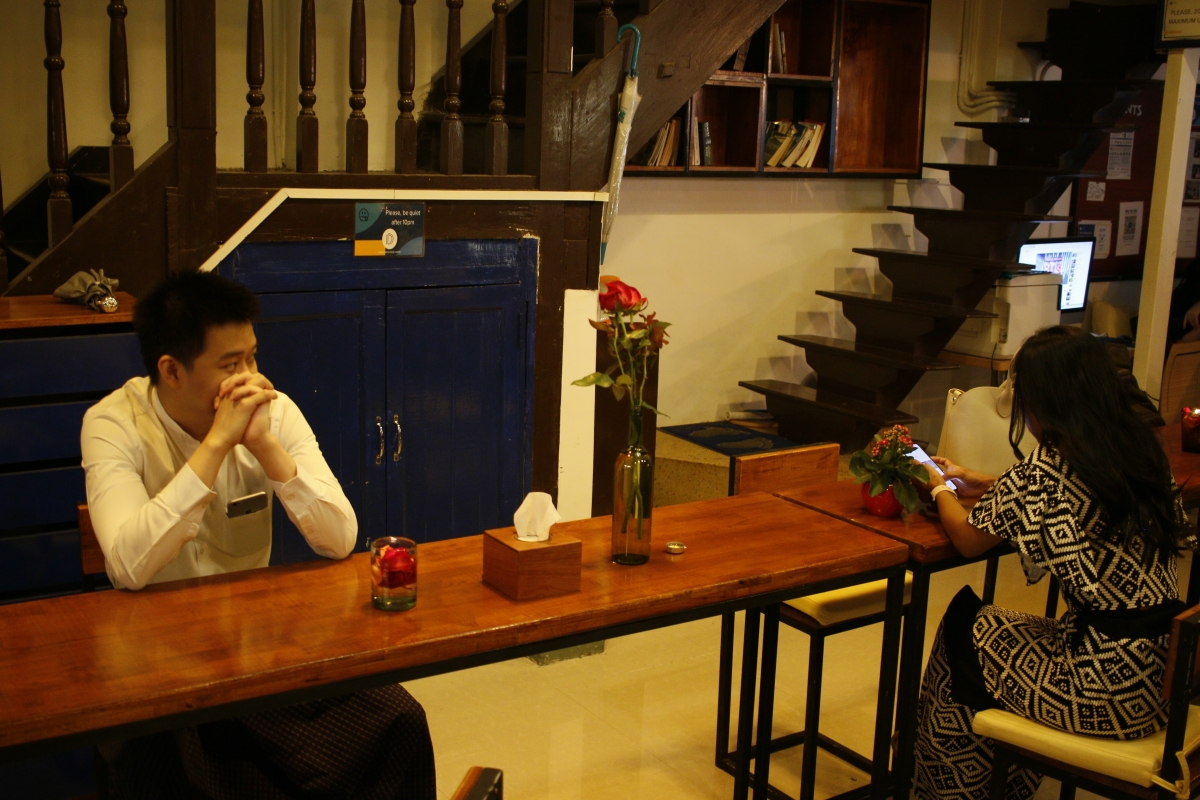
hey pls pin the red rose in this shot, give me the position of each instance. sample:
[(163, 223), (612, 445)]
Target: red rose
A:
[(396, 567), (618, 292)]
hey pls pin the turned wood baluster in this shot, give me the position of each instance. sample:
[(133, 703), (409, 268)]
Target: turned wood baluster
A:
[(120, 153), (306, 122), (452, 125), (254, 128), (58, 208), (495, 136), (606, 29), (406, 125), (356, 124)]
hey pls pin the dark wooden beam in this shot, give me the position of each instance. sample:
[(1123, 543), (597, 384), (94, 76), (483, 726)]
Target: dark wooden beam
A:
[(192, 119), (120, 152), (670, 34), (548, 92)]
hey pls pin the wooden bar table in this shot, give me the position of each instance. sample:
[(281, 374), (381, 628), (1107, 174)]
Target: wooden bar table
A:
[(115, 664), (930, 551)]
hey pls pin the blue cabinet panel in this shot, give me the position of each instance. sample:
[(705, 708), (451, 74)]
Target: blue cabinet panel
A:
[(68, 364), (38, 560), (40, 497), (58, 777), (325, 351), (456, 378), (312, 266), (41, 432)]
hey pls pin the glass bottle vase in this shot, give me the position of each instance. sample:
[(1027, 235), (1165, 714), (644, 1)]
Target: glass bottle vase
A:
[(633, 500)]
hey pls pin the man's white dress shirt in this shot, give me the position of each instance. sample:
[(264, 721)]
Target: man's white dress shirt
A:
[(157, 521)]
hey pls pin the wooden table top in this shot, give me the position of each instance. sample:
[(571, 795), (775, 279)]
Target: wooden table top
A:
[(1184, 466), (45, 310), (843, 500), (89, 662)]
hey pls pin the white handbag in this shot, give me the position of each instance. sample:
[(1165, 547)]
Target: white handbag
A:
[(975, 429)]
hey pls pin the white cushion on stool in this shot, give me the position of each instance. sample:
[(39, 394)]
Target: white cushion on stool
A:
[(1134, 761), (852, 602)]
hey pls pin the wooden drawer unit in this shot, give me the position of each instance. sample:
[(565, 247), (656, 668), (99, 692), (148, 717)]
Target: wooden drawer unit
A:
[(55, 363)]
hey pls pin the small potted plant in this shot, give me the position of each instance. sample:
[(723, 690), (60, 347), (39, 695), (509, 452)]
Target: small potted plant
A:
[(886, 472)]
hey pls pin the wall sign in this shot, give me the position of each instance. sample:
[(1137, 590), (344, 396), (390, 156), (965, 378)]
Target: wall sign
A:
[(1178, 24), (389, 229)]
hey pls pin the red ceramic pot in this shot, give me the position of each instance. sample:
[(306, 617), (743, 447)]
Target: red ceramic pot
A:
[(884, 505)]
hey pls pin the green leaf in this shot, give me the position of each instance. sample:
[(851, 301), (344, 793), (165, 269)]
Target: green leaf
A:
[(595, 379), (655, 410), (618, 392), (624, 380), (639, 334), (907, 495), (878, 485)]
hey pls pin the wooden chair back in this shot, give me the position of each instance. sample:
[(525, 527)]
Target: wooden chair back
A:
[(777, 470), (1181, 380), (90, 554), (481, 783)]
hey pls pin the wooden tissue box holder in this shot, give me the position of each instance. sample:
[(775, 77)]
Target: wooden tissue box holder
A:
[(530, 570)]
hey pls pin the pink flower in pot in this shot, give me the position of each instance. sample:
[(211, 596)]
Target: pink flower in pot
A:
[(887, 472)]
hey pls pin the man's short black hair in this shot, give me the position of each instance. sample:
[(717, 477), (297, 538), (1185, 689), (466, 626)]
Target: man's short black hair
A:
[(173, 318)]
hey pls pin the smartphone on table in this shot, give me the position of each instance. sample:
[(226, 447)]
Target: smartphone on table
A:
[(919, 454)]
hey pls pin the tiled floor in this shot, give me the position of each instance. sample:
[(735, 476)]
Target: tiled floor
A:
[(638, 721)]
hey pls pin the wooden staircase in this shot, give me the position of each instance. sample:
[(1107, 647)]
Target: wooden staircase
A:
[(1107, 56)]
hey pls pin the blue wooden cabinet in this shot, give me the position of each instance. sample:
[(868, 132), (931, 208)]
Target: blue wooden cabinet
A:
[(415, 375)]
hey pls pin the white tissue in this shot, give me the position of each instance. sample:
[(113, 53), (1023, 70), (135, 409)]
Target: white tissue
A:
[(535, 516)]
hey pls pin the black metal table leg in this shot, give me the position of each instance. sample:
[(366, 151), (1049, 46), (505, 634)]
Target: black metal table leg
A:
[(989, 580), (881, 755), (766, 699), (741, 780), (724, 686), (911, 653)]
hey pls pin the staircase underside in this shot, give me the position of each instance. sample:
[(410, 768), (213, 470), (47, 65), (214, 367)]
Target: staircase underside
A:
[(860, 384)]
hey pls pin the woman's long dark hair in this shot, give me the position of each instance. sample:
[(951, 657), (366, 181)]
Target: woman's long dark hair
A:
[(1065, 380)]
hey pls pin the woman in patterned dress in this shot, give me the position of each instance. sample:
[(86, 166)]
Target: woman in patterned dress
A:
[(1095, 505)]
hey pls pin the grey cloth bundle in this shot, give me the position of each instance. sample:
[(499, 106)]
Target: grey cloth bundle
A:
[(91, 289)]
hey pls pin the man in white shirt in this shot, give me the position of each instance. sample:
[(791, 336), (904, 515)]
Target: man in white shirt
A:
[(165, 456)]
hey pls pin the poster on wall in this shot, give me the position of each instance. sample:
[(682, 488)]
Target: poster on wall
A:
[(1120, 156), (1129, 232), (1101, 230), (389, 229), (1189, 225)]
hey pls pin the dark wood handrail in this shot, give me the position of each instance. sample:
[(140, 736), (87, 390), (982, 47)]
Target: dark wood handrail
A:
[(606, 29), (254, 130), (58, 208), (452, 125), (307, 128), (495, 145), (120, 153), (356, 124), (406, 125)]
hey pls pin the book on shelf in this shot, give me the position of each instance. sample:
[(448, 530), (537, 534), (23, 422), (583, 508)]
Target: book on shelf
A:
[(782, 52), (814, 146), (694, 143), (706, 145), (672, 153), (780, 136), (659, 144), (739, 58), (776, 48)]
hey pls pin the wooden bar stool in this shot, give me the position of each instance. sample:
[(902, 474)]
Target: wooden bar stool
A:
[(1160, 766), (820, 615)]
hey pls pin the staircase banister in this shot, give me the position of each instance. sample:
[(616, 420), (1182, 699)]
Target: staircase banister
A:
[(696, 35)]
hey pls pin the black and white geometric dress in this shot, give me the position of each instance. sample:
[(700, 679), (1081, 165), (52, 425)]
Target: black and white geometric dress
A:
[(1062, 673)]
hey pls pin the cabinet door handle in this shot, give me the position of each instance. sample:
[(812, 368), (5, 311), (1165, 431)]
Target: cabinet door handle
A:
[(399, 437), (379, 455)]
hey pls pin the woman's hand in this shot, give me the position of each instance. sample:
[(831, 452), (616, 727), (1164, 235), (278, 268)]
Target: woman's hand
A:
[(968, 483)]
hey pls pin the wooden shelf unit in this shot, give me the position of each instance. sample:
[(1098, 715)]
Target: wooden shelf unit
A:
[(857, 66)]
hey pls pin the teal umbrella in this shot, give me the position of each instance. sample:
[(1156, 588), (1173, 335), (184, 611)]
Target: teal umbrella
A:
[(626, 107)]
